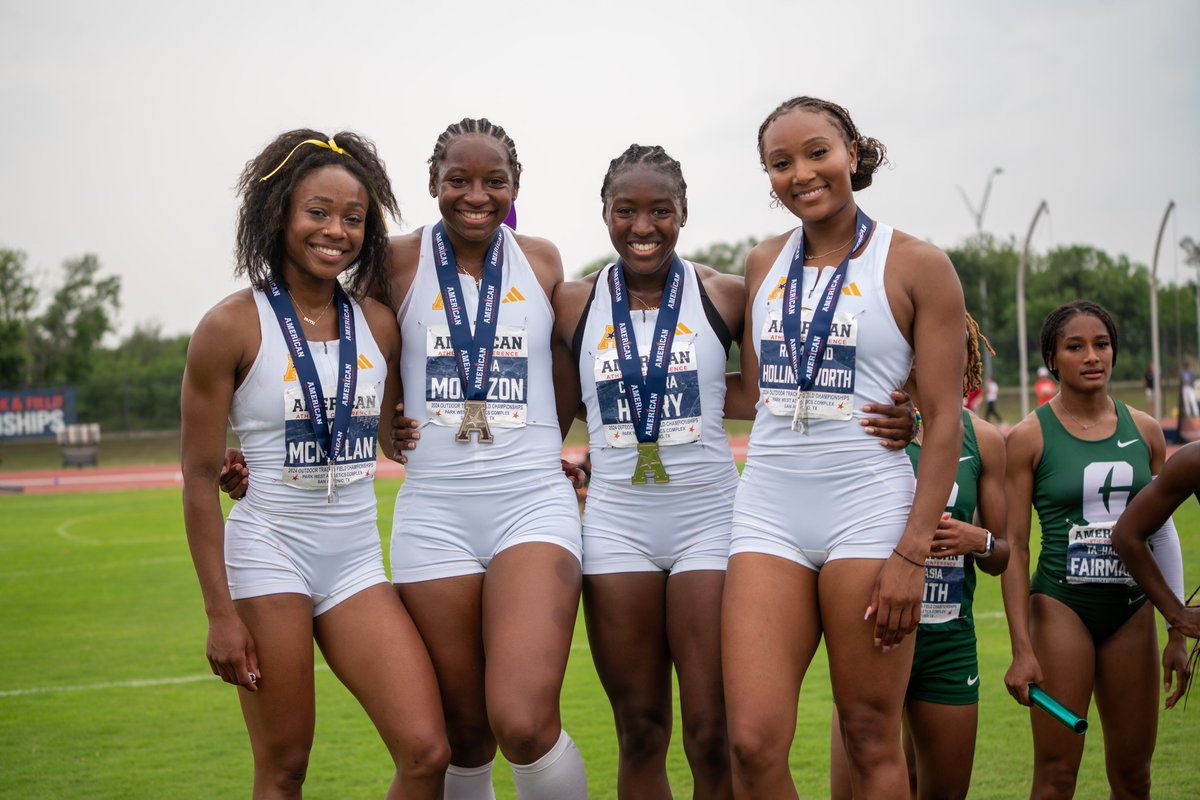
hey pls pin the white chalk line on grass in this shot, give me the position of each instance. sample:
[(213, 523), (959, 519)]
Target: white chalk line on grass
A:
[(94, 567), (146, 683)]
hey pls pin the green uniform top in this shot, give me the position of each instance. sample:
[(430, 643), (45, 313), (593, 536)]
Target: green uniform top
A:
[(1079, 489), (950, 581)]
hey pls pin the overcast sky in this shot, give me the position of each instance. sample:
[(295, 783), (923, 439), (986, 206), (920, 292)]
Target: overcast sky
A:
[(126, 123)]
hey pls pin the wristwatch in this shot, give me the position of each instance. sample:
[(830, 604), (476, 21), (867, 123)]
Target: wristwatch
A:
[(988, 547)]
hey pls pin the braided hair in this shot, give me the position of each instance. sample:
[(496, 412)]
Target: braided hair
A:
[(266, 185), (651, 156), (974, 374), (1057, 319), (466, 126), (871, 152)]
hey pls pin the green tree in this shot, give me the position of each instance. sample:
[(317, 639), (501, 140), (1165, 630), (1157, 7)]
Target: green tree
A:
[(727, 257), (17, 296), (67, 335), (136, 385)]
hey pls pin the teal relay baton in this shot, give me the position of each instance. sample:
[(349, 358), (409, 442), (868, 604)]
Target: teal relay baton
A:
[(1056, 710)]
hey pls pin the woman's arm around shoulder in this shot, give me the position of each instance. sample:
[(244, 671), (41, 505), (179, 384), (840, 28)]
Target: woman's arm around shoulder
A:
[(220, 354)]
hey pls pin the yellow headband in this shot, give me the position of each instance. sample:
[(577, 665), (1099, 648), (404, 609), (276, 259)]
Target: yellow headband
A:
[(330, 145)]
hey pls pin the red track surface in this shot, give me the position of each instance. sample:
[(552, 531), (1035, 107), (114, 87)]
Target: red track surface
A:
[(110, 479)]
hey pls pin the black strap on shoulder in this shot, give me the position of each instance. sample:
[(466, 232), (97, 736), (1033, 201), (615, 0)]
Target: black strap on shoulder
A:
[(714, 318), (577, 339)]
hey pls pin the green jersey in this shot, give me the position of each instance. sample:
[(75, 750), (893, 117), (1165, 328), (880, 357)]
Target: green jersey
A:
[(1080, 489), (950, 580)]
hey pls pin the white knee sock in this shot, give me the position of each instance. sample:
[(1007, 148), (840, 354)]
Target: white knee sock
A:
[(558, 775), (469, 783)]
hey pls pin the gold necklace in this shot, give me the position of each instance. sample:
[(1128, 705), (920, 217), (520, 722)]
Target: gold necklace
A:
[(827, 252), (1063, 406), (464, 271), (307, 318), (645, 306)]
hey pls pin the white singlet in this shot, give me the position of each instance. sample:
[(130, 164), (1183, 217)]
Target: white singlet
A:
[(284, 536), (830, 491), (520, 401), (462, 503), (649, 527)]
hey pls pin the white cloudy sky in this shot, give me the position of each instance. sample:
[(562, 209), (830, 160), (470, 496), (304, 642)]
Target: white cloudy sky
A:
[(126, 123)]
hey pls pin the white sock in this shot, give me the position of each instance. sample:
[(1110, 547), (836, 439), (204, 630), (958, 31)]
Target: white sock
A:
[(469, 783), (558, 775)]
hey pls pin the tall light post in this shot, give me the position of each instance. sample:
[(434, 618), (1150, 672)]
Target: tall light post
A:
[(983, 293), (1154, 349), (1022, 344)]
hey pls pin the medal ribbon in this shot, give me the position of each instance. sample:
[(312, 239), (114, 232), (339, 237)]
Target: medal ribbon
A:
[(646, 392), (473, 353), (806, 361), (331, 439)]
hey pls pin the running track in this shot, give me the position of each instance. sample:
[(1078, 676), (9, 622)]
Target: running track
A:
[(111, 479)]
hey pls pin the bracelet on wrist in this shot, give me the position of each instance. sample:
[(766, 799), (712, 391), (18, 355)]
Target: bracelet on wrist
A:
[(906, 558)]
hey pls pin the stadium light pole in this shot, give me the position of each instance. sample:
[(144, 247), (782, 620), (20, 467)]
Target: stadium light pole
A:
[(1154, 349), (1022, 344), (983, 292)]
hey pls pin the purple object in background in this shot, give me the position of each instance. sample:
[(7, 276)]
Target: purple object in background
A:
[(511, 219)]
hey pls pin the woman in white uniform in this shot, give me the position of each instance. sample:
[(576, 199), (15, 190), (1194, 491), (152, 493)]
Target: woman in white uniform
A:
[(830, 534), (305, 389), (486, 541)]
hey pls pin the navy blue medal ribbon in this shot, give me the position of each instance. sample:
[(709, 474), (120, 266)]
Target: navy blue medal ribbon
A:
[(647, 392), (331, 437), (806, 360), (473, 354)]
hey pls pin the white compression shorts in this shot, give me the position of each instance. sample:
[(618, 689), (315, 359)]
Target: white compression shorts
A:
[(818, 515), (325, 564), (650, 528), (447, 528)]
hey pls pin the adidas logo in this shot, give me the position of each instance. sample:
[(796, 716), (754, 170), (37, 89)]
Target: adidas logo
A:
[(290, 373), (608, 340), (850, 290), (513, 296)]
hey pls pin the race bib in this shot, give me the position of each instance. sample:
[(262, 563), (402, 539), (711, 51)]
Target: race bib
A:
[(304, 465), (681, 403), (508, 381), (1090, 556), (832, 395), (944, 581)]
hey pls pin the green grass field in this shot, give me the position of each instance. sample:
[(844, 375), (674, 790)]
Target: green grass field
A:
[(105, 692)]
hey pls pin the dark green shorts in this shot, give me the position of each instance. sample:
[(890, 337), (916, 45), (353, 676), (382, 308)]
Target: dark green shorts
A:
[(1102, 609), (945, 667)]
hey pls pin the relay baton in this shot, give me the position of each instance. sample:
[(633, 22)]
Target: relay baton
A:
[(1056, 709)]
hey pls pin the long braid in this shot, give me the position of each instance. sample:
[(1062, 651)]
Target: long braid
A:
[(974, 373), (653, 156)]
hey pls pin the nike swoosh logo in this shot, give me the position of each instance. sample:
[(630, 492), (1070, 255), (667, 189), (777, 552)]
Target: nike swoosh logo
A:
[(965, 458), (972, 681), (1137, 599), (1126, 444)]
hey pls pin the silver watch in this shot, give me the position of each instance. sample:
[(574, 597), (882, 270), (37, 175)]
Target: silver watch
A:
[(988, 547)]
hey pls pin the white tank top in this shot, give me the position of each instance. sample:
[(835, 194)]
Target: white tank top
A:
[(288, 471), (693, 445), (868, 358), (520, 400)]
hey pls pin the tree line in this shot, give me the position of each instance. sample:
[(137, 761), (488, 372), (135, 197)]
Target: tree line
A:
[(56, 338)]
